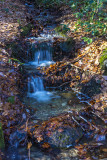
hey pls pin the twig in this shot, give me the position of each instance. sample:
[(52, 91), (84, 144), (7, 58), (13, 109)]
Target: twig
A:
[(60, 85), (78, 58), (88, 122), (98, 116), (29, 153), (63, 84), (78, 123)]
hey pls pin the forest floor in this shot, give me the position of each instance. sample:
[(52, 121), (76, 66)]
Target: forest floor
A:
[(83, 68)]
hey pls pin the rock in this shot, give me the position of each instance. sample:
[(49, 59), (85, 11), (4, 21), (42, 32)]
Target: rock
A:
[(57, 132), (65, 137), (64, 104), (11, 153), (105, 77), (17, 138), (105, 63), (67, 95), (91, 88), (65, 47), (68, 46)]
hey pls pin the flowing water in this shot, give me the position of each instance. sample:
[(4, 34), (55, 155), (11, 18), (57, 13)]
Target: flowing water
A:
[(36, 89), (42, 54), (47, 102)]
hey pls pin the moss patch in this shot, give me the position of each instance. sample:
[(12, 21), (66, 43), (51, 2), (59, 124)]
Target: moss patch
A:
[(17, 50), (26, 30), (103, 58), (62, 30)]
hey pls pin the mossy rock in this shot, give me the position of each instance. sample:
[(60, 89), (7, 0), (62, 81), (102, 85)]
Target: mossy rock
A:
[(11, 99), (91, 88), (64, 49), (67, 138), (62, 30), (18, 51), (68, 45), (26, 30), (103, 59)]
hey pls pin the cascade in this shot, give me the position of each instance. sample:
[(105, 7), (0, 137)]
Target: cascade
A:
[(35, 84), (36, 89), (42, 55)]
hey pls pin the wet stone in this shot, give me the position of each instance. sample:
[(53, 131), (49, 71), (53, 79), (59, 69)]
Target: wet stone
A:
[(68, 46), (18, 138), (66, 138), (57, 132), (91, 88)]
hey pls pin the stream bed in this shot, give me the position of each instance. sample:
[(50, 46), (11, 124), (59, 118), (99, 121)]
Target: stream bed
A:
[(47, 102)]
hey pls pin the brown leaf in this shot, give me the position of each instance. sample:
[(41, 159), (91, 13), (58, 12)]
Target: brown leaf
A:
[(29, 145), (46, 145)]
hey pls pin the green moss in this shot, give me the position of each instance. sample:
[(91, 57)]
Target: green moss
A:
[(103, 58), (2, 144), (17, 50), (11, 99), (26, 30), (62, 30)]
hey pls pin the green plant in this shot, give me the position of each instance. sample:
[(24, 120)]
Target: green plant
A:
[(88, 40), (6, 10), (11, 99), (2, 144), (91, 17), (16, 60), (19, 21), (62, 29), (26, 30), (103, 57)]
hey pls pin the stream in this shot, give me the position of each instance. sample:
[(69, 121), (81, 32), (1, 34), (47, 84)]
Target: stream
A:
[(48, 102), (45, 102)]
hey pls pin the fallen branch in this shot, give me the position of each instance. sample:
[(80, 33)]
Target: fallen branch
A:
[(60, 85), (98, 116), (88, 122), (77, 123), (78, 58)]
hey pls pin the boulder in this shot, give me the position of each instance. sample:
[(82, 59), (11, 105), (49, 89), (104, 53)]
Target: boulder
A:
[(91, 88), (65, 137), (57, 132), (68, 45)]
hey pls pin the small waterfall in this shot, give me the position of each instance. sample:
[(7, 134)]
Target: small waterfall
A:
[(36, 89), (42, 55), (35, 84)]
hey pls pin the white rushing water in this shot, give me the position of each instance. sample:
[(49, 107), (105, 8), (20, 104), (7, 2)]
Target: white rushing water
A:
[(42, 55), (36, 89)]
